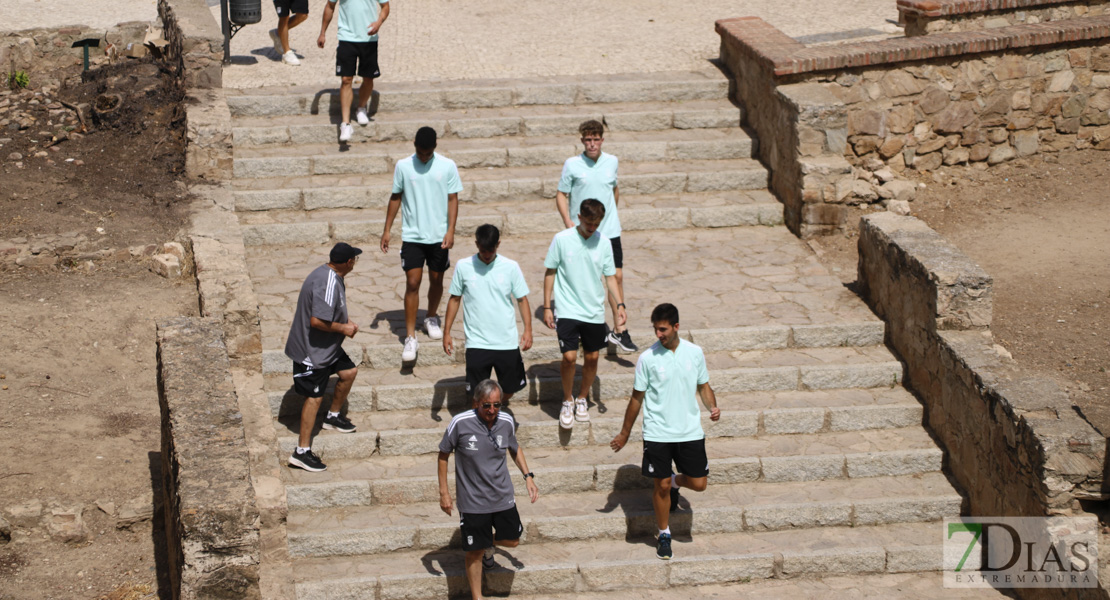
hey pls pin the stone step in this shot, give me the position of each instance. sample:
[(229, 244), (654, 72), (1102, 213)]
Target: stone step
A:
[(545, 346), (764, 458), (525, 121), (594, 566), (435, 96), (546, 151), (537, 426), (507, 184), (726, 508)]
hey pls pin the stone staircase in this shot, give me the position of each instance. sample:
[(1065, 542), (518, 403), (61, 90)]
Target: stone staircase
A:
[(819, 463)]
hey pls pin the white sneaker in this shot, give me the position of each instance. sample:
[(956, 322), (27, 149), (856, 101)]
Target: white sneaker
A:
[(290, 58), (409, 353), (361, 117), (431, 325), (345, 132), (566, 415), (581, 411), (277, 42)]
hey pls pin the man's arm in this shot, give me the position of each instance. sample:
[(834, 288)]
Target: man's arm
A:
[(615, 291), (548, 288), (348, 329), (452, 214), (616, 195), (526, 317), (329, 10), (376, 25), (630, 414), (562, 203), (529, 482), (709, 399), (448, 320), (444, 493), (390, 214)]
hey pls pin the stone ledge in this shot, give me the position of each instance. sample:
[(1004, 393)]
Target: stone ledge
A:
[(944, 8), (212, 520), (752, 37)]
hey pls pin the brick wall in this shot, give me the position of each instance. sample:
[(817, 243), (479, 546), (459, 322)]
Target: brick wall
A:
[(923, 17)]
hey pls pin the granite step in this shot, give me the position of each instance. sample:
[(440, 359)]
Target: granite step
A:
[(596, 566), (622, 514), (763, 458), (523, 121), (482, 153), (545, 346), (397, 97)]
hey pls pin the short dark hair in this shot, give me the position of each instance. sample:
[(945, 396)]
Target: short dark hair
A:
[(485, 389), (426, 138), (591, 127), (592, 209), (665, 312), (487, 236)]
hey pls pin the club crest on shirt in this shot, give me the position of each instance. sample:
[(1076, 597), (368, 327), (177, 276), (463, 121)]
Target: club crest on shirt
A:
[(498, 441), (472, 443)]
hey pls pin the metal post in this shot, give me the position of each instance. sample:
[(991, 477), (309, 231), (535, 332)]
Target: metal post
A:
[(225, 26)]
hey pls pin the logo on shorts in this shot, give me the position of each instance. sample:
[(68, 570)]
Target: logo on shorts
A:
[(316, 390), (469, 540), (651, 469), (523, 381), (472, 443), (337, 69)]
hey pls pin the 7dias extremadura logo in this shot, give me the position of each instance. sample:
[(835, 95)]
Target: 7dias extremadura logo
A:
[(1021, 552)]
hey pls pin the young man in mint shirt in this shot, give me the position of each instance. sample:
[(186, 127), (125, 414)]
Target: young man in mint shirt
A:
[(578, 261), (487, 284), (593, 174), (359, 22), (426, 189), (669, 376)]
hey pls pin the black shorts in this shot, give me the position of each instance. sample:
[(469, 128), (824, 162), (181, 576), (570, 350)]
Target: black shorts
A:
[(311, 382), (285, 7), (477, 528), (618, 252), (414, 255), (363, 55), (509, 365), (689, 458), (591, 334)]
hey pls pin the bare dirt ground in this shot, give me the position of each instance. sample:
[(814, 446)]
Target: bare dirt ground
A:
[(1041, 228), (79, 428)]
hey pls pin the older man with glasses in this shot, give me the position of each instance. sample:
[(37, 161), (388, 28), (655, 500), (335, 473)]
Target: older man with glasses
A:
[(484, 489)]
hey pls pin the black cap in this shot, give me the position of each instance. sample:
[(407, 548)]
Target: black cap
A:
[(343, 252)]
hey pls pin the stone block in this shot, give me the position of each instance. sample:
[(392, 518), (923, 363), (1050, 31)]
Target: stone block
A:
[(539, 156), (557, 124), (362, 231), (345, 197), (408, 490), (738, 423), (407, 396), (351, 543), (166, 265), (474, 158), (704, 150), (906, 510), (884, 416), (1001, 154), (409, 441), (735, 215), (554, 529), (545, 94), (659, 183), (339, 589), (328, 495), (914, 559), (793, 420), (421, 586), (272, 166), (623, 574), (247, 137), (548, 433), (267, 200), (803, 468), (704, 570), (644, 219), (742, 338), (327, 134), (477, 97), (623, 477), (439, 535), (1026, 143), (776, 517), (865, 333), (756, 379), (265, 106), (485, 127), (361, 444), (542, 579), (520, 224), (640, 151), (893, 463), (824, 377), (699, 119), (405, 131), (835, 561), (639, 121), (419, 100), (743, 469), (285, 234), (715, 181), (363, 165)]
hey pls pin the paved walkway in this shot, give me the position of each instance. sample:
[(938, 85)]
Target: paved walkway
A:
[(433, 39), (98, 14)]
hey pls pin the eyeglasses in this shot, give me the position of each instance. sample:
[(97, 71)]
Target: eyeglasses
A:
[(491, 405)]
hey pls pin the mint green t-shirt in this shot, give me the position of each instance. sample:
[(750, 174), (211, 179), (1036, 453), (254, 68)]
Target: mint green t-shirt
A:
[(583, 179), (489, 293), (582, 264), (355, 17), (424, 188), (670, 383)]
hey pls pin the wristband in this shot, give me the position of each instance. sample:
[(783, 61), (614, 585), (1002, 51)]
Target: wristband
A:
[(547, 308), (529, 474), (621, 305)]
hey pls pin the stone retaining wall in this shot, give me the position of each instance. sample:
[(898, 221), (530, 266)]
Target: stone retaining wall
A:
[(212, 522), (923, 17), (916, 102), (195, 42), (42, 53), (1014, 442)]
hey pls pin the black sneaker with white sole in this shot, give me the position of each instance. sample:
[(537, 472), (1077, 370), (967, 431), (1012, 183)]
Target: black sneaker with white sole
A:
[(622, 341), (339, 423), (663, 546), (307, 461)]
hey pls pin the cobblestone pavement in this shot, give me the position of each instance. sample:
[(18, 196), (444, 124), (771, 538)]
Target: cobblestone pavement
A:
[(442, 39), (98, 14)]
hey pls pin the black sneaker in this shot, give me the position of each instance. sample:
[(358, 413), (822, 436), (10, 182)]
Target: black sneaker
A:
[(674, 498), (488, 564), (663, 546), (307, 461), (622, 341), (339, 423)]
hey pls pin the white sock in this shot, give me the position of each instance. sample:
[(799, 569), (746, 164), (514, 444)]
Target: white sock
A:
[(674, 481), (335, 414), (302, 450), (665, 531)]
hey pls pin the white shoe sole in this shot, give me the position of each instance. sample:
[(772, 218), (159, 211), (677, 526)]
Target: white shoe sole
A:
[(295, 462)]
